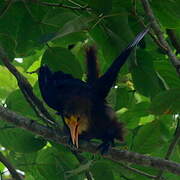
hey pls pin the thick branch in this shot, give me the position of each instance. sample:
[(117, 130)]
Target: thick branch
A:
[(10, 167), (27, 90), (114, 154), (157, 30)]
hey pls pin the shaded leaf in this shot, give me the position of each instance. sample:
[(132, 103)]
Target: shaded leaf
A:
[(58, 58), (20, 140), (148, 138), (132, 117), (167, 12), (78, 24), (101, 6), (167, 102), (144, 76), (102, 170)]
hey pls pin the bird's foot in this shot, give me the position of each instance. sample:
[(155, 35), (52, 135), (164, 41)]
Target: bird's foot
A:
[(104, 147)]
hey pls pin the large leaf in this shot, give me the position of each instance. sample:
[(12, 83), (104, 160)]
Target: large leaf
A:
[(53, 163), (168, 73), (8, 45), (16, 102), (7, 82), (23, 161), (48, 164), (144, 76), (167, 12), (102, 170), (101, 6), (58, 58), (137, 115), (19, 140), (149, 138), (78, 24), (167, 102)]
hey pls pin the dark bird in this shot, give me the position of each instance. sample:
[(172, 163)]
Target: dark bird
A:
[(82, 105)]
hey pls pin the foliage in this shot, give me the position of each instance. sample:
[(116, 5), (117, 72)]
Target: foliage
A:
[(146, 96)]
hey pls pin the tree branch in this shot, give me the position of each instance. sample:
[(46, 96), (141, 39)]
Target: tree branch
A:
[(12, 170), (27, 90), (6, 7), (114, 154), (61, 5), (157, 30)]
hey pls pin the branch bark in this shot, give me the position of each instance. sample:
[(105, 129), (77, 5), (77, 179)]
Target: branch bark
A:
[(157, 30), (114, 154), (15, 175), (27, 90)]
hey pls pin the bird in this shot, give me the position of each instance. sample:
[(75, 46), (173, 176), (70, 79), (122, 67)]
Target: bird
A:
[(82, 104)]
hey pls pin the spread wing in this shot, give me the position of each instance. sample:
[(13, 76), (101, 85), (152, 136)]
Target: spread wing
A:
[(57, 87), (106, 81)]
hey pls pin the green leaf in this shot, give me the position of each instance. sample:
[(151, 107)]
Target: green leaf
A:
[(49, 165), (78, 24), (132, 117), (102, 170), (20, 140), (101, 6), (23, 161), (8, 45), (166, 102), (2, 167), (149, 138), (144, 76), (58, 58), (12, 18), (8, 82), (168, 73), (167, 12), (26, 44), (124, 98), (59, 161), (16, 102)]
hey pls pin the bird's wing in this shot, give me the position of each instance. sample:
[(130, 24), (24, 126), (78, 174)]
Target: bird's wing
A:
[(53, 85), (105, 82)]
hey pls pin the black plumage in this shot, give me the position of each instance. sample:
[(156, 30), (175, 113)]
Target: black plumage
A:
[(82, 105)]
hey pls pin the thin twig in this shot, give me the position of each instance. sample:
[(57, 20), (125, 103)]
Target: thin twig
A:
[(157, 30), (15, 175), (5, 9), (114, 154), (140, 20), (61, 5), (137, 171), (27, 90), (171, 146)]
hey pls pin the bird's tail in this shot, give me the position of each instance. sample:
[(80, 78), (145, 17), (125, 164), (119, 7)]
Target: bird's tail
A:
[(92, 65)]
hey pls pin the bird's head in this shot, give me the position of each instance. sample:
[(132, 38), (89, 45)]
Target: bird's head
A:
[(77, 116)]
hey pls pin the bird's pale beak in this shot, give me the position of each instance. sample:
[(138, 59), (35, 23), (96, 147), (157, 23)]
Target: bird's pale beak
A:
[(73, 126)]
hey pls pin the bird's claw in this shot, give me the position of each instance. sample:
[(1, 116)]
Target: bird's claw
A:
[(104, 147)]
